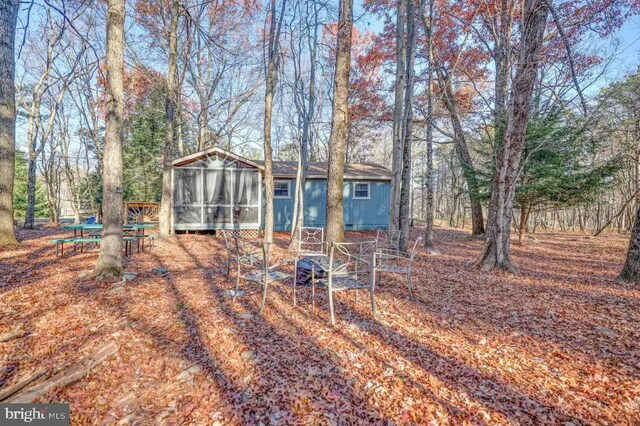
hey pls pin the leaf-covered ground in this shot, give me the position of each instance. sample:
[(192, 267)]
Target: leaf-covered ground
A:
[(559, 343)]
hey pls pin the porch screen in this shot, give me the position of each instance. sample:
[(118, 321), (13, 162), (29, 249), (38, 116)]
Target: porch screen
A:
[(187, 196), (216, 197)]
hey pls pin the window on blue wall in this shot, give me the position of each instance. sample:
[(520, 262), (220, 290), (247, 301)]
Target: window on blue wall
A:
[(361, 190), (281, 189)]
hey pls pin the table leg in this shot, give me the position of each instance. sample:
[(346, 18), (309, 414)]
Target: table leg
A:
[(142, 241)]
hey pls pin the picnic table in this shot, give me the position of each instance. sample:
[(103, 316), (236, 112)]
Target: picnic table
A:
[(81, 227), (138, 228)]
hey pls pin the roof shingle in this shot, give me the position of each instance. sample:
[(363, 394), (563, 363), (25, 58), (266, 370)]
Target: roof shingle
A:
[(318, 169)]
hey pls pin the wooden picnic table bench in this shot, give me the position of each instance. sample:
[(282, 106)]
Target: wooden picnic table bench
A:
[(59, 242)]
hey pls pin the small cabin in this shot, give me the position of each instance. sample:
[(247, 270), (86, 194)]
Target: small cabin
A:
[(217, 189)]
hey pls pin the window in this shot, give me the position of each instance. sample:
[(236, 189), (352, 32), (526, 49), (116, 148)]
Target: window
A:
[(361, 190), (281, 189)]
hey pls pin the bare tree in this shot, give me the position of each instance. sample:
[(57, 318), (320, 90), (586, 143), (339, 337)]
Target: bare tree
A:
[(170, 115), (305, 103), (495, 253), (407, 123), (429, 207), (462, 149), (398, 139), (8, 20), (59, 69), (339, 125), (275, 27), (109, 264)]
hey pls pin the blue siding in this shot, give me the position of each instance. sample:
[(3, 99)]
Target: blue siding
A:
[(359, 214)]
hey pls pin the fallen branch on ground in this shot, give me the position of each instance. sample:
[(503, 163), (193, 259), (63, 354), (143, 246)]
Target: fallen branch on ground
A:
[(11, 390), (67, 376)]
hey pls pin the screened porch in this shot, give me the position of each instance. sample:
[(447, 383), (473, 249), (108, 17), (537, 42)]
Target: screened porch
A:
[(216, 192)]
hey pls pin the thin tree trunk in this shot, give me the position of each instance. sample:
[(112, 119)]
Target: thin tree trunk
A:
[(631, 269), (407, 123), (502, 57), (170, 119), (306, 134), (464, 156), (339, 125), (495, 253), (8, 20), (398, 139), (109, 265), (272, 63), (29, 221), (523, 222), (624, 207), (428, 231)]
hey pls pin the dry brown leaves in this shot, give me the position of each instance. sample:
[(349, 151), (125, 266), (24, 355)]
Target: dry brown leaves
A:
[(558, 343)]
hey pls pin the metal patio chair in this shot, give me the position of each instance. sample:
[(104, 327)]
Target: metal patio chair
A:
[(258, 272), (232, 252), (385, 239), (350, 267), (398, 262), (310, 244)]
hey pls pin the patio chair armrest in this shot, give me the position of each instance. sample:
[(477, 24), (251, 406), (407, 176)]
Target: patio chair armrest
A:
[(393, 252), (393, 257)]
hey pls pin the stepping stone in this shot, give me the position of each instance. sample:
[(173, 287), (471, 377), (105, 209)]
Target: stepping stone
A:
[(246, 316), (247, 355), (359, 325), (230, 293), (129, 276), (187, 375), (160, 271)]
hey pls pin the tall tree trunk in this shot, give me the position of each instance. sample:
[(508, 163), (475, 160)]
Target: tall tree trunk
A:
[(178, 131), (272, 64), (30, 214), (8, 20), (306, 134), (631, 269), (407, 124), (203, 127), (523, 222), (339, 125), (109, 265), (428, 231), (502, 58), (170, 120), (495, 253), (464, 156), (398, 139)]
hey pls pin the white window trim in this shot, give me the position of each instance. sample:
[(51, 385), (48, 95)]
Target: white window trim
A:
[(285, 197), (368, 197)]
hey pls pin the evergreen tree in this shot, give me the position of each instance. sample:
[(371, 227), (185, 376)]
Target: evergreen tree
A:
[(143, 143), (20, 185), (556, 169)]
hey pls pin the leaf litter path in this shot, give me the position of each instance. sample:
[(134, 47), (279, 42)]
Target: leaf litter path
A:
[(558, 343)]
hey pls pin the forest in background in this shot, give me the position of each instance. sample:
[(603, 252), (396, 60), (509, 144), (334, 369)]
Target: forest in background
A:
[(431, 94), (582, 171)]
